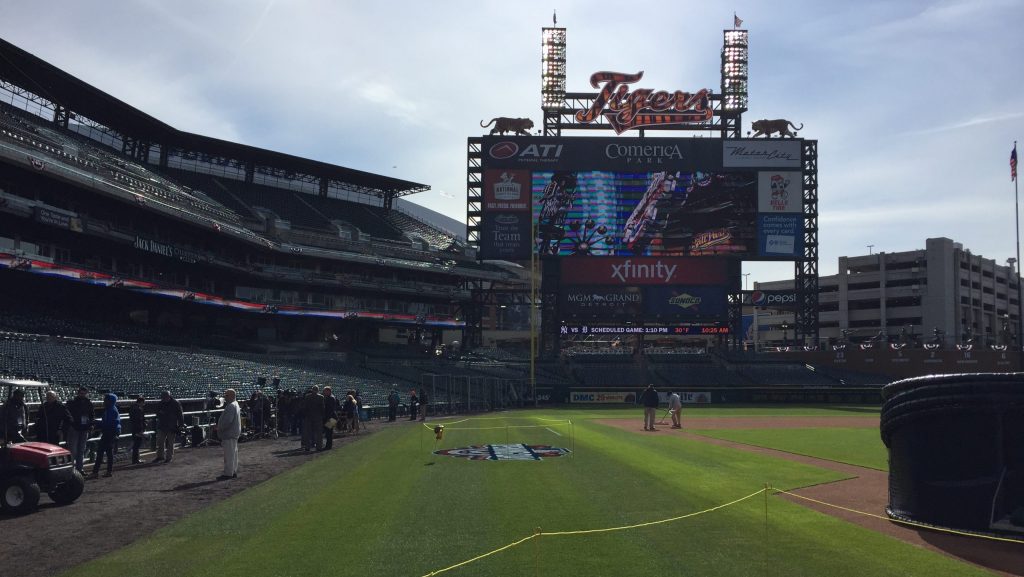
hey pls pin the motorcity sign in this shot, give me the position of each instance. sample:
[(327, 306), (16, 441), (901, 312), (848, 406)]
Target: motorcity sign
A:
[(625, 110), (772, 299)]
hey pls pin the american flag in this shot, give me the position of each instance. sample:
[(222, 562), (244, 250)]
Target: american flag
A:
[(1013, 163), (736, 22)]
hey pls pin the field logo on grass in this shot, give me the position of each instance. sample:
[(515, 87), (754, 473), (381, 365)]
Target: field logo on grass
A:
[(515, 452)]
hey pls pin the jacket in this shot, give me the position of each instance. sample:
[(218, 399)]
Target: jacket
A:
[(314, 408), (111, 421), (137, 418), (169, 416), (82, 413), (15, 420), (649, 398), (331, 405), (229, 425), (51, 418)]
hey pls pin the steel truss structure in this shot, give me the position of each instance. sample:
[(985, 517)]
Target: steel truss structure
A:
[(806, 269)]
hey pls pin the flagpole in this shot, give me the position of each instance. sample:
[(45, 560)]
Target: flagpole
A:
[(1020, 290)]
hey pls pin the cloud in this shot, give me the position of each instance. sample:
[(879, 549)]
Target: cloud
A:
[(969, 123)]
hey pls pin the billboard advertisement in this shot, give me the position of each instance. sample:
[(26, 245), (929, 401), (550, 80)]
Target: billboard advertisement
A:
[(683, 302), (673, 303), (779, 192), (773, 299), (781, 235), (601, 301), (637, 197), (649, 271), (505, 235)]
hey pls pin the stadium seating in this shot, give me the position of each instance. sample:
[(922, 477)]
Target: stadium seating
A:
[(368, 219), (415, 227), (80, 154), (783, 374)]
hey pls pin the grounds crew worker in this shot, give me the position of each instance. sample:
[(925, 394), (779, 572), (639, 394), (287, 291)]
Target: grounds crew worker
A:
[(650, 401)]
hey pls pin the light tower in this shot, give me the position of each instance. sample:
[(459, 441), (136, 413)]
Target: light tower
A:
[(552, 75), (734, 82)]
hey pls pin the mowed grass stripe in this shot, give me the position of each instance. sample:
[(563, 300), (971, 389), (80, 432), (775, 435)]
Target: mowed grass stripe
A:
[(378, 507), (861, 447)]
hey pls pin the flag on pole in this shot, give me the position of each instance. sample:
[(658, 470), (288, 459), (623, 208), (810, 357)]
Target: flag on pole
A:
[(736, 22), (1013, 163)]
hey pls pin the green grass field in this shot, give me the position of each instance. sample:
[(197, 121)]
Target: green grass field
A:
[(861, 447), (386, 506)]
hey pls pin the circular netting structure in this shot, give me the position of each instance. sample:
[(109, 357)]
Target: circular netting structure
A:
[(956, 450)]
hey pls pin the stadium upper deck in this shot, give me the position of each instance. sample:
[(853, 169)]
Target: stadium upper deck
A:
[(97, 191)]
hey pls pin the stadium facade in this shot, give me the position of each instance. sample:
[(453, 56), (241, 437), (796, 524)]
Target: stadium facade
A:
[(942, 293)]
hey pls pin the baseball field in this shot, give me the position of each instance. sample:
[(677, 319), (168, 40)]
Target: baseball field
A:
[(551, 493)]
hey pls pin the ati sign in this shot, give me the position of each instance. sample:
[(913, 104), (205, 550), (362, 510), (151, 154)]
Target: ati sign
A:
[(642, 107), (532, 153)]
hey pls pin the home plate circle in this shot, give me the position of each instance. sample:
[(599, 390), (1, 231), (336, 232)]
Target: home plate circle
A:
[(514, 452)]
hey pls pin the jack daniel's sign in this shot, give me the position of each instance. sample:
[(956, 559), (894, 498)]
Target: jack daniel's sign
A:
[(643, 107)]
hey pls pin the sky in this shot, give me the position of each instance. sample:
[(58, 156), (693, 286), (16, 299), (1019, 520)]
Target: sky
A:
[(915, 104)]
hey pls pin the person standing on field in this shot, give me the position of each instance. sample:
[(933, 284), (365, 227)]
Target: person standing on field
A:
[(137, 420), (313, 420), (110, 429), (675, 406), (331, 406), (649, 399), (77, 435), (170, 420), (229, 428), (51, 418)]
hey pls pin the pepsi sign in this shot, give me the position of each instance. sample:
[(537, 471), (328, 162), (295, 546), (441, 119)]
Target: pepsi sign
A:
[(772, 299)]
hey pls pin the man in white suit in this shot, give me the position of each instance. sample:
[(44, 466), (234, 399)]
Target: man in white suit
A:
[(229, 428)]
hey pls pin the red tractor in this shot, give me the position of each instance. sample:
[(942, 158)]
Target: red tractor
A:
[(27, 469)]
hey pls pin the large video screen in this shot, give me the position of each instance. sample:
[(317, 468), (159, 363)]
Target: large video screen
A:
[(648, 197), (644, 213)]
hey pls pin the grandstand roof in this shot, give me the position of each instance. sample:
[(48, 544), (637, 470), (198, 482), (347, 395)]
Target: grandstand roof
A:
[(43, 79)]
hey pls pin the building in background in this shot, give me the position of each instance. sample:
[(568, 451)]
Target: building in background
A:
[(942, 293)]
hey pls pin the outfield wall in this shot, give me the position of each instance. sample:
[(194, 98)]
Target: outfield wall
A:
[(726, 395)]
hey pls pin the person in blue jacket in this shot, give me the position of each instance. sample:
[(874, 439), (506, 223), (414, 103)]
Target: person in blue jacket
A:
[(110, 428)]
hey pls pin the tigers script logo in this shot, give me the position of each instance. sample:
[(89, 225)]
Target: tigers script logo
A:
[(643, 107)]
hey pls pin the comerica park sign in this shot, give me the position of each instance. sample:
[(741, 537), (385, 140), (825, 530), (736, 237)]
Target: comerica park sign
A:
[(644, 106)]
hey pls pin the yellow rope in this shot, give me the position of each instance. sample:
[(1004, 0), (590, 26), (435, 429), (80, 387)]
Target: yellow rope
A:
[(901, 521), (479, 557), (649, 523), (560, 533)]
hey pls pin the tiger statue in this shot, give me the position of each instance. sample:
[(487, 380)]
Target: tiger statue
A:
[(780, 125), (520, 126)]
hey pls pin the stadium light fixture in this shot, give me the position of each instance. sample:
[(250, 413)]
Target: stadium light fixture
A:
[(734, 70), (552, 61)]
